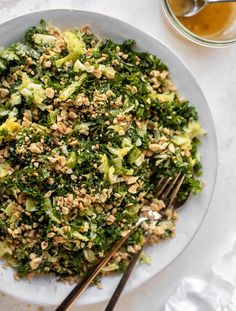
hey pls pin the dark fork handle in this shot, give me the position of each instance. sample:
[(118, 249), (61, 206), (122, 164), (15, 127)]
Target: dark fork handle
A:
[(80, 288), (119, 289)]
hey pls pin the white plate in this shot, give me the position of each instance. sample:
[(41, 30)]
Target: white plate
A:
[(46, 290)]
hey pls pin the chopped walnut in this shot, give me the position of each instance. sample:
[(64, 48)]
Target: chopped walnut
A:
[(36, 148), (34, 263), (4, 92), (49, 92)]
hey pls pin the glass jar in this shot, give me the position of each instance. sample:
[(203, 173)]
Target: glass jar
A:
[(226, 38)]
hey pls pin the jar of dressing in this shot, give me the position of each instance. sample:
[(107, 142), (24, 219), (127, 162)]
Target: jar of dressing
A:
[(214, 26)]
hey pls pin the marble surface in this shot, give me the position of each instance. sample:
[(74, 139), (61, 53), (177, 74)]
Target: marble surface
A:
[(215, 70)]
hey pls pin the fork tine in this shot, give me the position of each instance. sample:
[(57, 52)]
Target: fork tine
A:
[(163, 186), (176, 190), (168, 190), (160, 182)]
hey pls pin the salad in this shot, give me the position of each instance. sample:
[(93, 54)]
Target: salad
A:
[(87, 128)]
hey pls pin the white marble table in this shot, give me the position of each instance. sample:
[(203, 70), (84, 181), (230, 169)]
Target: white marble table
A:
[(215, 70)]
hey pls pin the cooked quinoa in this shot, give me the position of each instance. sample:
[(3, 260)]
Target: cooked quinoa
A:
[(87, 128)]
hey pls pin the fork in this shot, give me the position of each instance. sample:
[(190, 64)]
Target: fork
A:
[(164, 188), (164, 193)]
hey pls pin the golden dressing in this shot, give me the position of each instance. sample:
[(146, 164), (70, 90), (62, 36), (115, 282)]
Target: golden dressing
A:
[(209, 22), (180, 6)]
